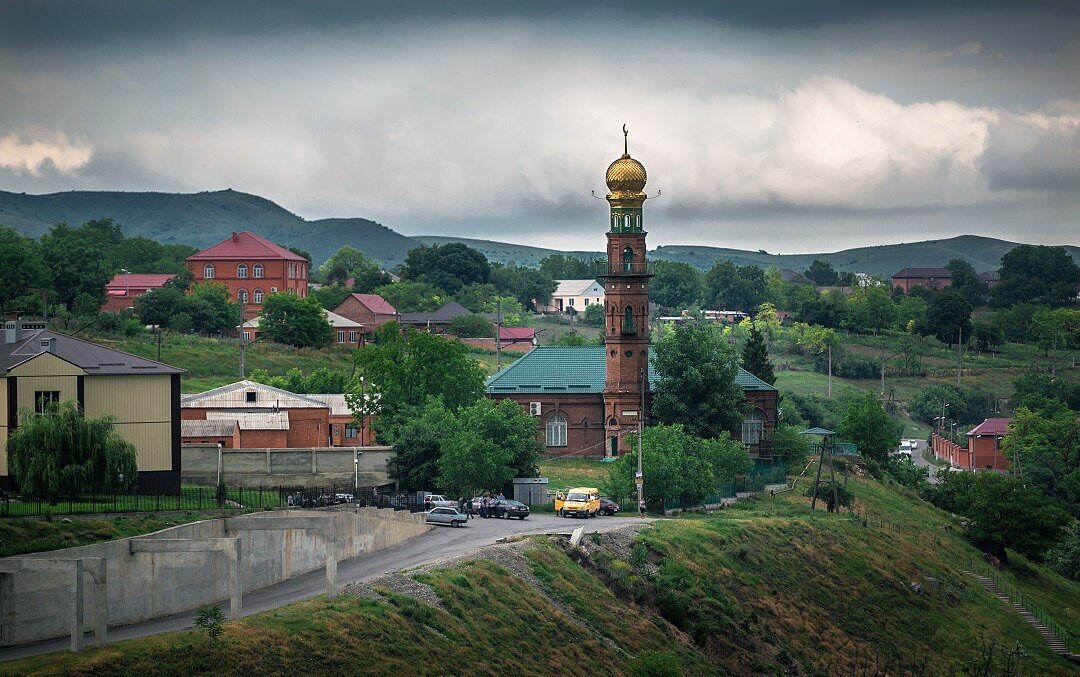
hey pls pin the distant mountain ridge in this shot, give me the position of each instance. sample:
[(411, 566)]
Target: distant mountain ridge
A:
[(202, 219)]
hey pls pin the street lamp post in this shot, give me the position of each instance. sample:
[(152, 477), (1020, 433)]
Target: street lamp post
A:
[(356, 477)]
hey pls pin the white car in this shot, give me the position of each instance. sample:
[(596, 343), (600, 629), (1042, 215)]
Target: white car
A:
[(437, 501), (449, 516)]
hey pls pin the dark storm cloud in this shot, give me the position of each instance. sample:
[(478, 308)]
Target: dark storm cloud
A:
[(80, 22)]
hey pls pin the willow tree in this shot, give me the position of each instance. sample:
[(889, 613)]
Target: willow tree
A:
[(62, 453)]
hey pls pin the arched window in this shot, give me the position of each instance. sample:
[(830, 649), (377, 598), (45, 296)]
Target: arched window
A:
[(257, 270), (242, 296), (628, 260), (241, 270), (555, 431), (753, 427), (628, 321), (208, 271), (257, 296)]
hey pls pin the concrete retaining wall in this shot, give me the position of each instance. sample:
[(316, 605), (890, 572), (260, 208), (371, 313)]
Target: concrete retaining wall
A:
[(313, 467), (37, 606)]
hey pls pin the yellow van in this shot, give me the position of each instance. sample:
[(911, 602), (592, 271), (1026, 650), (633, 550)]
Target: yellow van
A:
[(579, 502)]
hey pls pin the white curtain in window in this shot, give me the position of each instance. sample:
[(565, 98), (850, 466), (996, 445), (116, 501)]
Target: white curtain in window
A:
[(753, 428), (556, 431)]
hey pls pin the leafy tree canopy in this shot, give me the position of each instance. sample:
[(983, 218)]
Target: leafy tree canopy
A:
[(1047, 446), (62, 453), (948, 315), (24, 269), (822, 274), (867, 425), (319, 380), (730, 287), (472, 325), (412, 297), (562, 267), (527, 285), (448, 267), (676, 285), (289, 319), (1037, 274), (489, 444), (697, 385), (966, 282), (755, 357), (417, 444), (350, 263)]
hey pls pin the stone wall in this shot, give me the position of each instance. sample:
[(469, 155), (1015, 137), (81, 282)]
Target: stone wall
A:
[(312, 467), (37, 606)]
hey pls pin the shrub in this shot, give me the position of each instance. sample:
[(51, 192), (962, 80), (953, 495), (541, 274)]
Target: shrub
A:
[(210, 618), (655, 664)]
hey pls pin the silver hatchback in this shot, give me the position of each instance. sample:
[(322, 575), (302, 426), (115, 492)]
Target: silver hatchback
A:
[(449, 516)]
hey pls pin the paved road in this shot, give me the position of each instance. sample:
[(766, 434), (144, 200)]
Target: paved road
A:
[(917, 457), (437, 543)]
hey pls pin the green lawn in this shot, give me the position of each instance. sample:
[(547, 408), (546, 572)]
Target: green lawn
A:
[(567, 473), (19, 536)]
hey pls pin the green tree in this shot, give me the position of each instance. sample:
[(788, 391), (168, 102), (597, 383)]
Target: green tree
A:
[(822, 274), (319, 380), (159, 306), (948, 315), (867, 425), (1058, 334), (471, 326), (485, 298), (1037, 274), (329, 296), (490, 444), (78, 259), (211, 309), (911, 312), (729, 287), (449, 267), (409, 367), (527, 285), (676, 285), (671, 467), (417, 444), (1064, 557), (562, 267), (755, 357), (348, 262), (570, 338), (966, 282), (789, 446), (412, 297), (870, 309), (988, 336), (289, 319), (62, 453), (1041, 384), (1045, 447), (593, 316), (24, 269), (697, 385)]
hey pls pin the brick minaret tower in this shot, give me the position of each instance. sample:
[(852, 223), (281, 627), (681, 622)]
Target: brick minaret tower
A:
[(626, 305)]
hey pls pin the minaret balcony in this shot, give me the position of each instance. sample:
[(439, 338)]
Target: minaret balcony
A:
[(617, 268)]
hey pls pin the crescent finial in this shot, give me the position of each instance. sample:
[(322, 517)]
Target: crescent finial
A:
[(625, 133)]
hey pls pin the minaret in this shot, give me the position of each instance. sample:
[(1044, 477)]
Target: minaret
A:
[(626, 304)]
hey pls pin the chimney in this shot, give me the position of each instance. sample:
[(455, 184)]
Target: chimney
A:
[(12, 331), (48, 344), (235, 236)]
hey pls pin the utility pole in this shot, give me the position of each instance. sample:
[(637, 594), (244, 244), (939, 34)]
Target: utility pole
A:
[(498, 333), (959, 354), (158, 326), (830, 370), (243, 344), (883, 366)]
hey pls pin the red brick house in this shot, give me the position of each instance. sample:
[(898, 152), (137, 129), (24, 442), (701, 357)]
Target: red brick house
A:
[(984, 444), (246, 415), (587, 400), (122, 290), (931, 278), (252, 268), (370, 310)]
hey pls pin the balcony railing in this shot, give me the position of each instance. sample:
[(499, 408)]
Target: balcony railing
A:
[(617, 268)]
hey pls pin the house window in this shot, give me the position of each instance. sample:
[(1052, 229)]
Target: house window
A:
[(247, 335), (628, 321), (753, 428), (242, 296), (251, 396), (208, 271), (352, 337), (556, 431), (571, 302), (292, 270), (303, 272), (350, 433), (341, 336), (628, 260), (43, 398), (258, 296), (257, 270), (241, 270)]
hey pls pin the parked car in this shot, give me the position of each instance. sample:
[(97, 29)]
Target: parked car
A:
[(608, 507), (509, 508), (579, 502), (449, 516), (437, 501)]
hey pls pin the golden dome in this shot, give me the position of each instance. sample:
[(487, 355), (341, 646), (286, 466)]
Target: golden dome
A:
[(626, 175)]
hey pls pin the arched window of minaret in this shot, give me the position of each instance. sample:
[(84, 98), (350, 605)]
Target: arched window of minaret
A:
[(628, 260), (628, 321)]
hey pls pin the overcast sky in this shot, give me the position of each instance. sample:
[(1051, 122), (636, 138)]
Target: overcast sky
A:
[(788, 126)]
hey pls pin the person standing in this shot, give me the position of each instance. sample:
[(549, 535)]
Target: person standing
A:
[(469, 508)]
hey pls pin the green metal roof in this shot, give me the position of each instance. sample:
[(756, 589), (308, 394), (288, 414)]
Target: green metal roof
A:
[(818, 431), (574, 369)]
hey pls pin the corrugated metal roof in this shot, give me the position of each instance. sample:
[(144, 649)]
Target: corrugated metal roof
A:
[(234, 396), (337, 403), (248, 420), (376, 304), (336, 320), (922, 273), (138, 281), (574, 369), (991, 427), (210, 428), (245, 245), (91, 357)]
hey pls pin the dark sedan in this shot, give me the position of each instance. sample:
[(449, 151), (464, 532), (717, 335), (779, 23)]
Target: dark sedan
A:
[(508, 508), (608, 507)]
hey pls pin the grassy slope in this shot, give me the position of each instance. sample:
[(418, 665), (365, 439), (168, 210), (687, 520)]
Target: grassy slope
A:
[(750, 590), (23, 535)]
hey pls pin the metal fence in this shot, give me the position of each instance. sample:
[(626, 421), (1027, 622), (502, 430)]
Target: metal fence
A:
[(207, 498)]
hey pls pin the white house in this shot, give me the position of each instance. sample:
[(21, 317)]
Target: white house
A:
[(576, 294)]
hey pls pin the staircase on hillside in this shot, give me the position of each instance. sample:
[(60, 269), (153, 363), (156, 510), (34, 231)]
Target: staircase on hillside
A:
[(1057, 644)]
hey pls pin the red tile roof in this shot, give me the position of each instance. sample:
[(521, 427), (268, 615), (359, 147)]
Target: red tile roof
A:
[(517, 333), (124, 281), (923, 273), (245, 245), (376, 304), (991, 427)]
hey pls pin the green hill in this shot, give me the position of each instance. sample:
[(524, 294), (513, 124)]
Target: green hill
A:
[(767, 587), (202, 219)]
